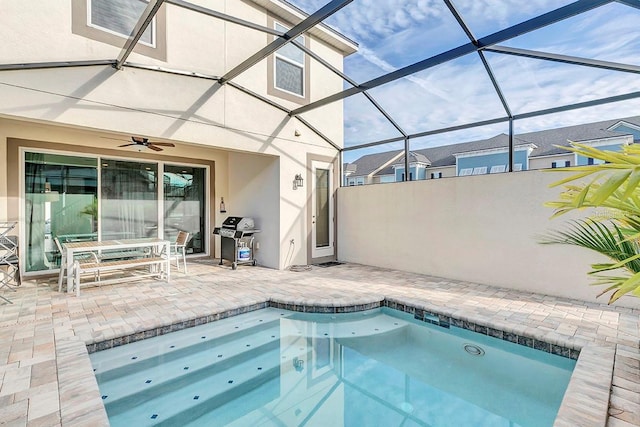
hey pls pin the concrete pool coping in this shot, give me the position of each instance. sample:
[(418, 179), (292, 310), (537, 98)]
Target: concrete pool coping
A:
[(46, 378), (585, 402)]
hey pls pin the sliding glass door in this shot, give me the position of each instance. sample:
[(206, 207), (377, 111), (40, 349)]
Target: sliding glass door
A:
[(184, 204), (60, 201), (82, 198), (129, 204)]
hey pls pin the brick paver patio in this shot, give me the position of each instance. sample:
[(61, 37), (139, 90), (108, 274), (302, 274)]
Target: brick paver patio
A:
[(46, 377)]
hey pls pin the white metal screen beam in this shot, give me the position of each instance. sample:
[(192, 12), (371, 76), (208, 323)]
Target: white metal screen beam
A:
[(312, 20), (540, 21), (567, 59), (59, 64)]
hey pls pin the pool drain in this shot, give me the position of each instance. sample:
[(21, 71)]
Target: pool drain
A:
[(473, 350)]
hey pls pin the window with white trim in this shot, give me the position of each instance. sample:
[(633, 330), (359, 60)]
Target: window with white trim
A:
[(465, 172), (561, 164), (113, 21), (479, 171), (289, 66), (592, 161), (517, 167), (498, 169), (119, 17), (436, 175)]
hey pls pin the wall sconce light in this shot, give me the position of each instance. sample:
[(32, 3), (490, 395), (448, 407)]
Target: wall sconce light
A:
[(223, 208), (298, 182), (297, 132)]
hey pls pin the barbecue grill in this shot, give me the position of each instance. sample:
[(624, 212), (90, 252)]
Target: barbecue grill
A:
[(237, 240)]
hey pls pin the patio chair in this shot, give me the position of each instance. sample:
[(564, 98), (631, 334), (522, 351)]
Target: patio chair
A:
[(178, 249), (81, 258), (9, 264)]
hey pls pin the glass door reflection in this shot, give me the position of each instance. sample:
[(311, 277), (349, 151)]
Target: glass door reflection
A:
[(184, 204), (60, 201)]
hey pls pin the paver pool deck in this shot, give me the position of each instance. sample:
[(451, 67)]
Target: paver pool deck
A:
[(46, 377)]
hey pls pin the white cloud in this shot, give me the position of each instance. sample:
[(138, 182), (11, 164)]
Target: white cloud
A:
[(396, 33)]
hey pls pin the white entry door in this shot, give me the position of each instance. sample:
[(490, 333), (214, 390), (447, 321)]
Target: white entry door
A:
[(322, 239)]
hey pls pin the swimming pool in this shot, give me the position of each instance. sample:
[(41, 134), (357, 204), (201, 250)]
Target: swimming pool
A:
[(378, 367)]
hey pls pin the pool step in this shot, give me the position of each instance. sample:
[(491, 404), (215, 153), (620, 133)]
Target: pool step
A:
[(174, 404), (144, 354), (145, 381)]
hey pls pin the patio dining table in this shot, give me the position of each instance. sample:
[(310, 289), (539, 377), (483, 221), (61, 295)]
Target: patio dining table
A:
[(157, 246)]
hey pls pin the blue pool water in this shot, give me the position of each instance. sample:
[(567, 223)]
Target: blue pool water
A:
[(375, 368)]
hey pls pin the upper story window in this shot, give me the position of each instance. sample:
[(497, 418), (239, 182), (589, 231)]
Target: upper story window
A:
[(592, 161), (120, 17), (288, 69), (112, 22), (289, 66), (561, 164)]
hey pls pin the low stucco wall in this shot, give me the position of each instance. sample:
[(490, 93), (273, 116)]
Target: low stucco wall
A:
[(480, 228)]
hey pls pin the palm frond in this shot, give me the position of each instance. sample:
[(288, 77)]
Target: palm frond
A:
[(611, 188)]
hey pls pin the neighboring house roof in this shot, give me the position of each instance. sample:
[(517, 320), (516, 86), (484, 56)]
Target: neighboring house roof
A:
[(370, 163), (544, 141), (349, 168), (414, 157)]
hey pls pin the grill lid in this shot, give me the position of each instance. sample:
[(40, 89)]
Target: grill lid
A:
[(238, 223)]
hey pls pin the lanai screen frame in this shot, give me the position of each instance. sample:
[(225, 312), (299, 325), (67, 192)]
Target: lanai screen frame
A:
[(479, 46)]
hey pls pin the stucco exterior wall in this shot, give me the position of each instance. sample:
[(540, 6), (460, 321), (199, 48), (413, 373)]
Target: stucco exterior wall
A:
[(257, 148), (37, 136), (479, 228), (253, 181)]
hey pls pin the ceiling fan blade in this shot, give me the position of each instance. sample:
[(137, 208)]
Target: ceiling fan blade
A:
[(154, 148), (163, 144), (126, 145)]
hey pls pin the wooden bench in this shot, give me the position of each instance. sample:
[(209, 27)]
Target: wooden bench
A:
[(162, 271)]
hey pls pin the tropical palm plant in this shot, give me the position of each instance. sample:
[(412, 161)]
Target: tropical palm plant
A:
[(613, 230)]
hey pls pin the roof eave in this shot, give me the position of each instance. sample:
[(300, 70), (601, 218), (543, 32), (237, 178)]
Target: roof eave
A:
[(291, 13)]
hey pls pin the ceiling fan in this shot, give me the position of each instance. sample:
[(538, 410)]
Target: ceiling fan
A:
[(145, 143)]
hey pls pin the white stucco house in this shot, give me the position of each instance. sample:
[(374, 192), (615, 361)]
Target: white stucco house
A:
[(204, 80)]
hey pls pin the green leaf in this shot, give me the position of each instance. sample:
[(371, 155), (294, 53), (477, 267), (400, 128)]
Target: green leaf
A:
[(632, 183), (609, 187), (615, 232)]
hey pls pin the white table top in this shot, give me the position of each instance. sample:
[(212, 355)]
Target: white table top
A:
[(89, 245)]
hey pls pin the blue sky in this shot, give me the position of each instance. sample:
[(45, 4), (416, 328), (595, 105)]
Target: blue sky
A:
[(396, 33)]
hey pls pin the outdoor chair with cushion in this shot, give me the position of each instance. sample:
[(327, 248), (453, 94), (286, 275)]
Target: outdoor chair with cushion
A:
[(179, 249)]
